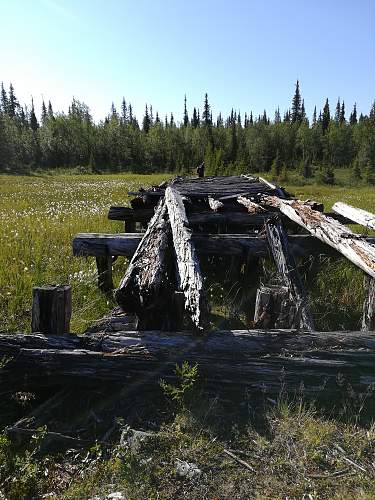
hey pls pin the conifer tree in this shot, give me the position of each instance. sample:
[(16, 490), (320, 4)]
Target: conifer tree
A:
[(353, 115), (186, 116), (314, 117), (277, 116), (131, 118), (194, 120), (206, 116), (50, 110), (124, 111), (44, 112), (146, 121), (13, 103), (342, 113), (33, 120), (338, 111), (151, 116), (219, 121), (303, 111), (296, 105), (157, 119), (113, 111), (172, 123), (4, 99), (326, 118), (251, 120)]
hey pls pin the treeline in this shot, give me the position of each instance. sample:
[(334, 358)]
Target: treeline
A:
[(232, 144)]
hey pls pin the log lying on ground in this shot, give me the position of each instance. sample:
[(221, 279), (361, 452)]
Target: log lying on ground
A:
[(93, 244), (140, 289), (190, 279), (368, 317), (253, 359), (358, 215), (331, 232), (287, 268)]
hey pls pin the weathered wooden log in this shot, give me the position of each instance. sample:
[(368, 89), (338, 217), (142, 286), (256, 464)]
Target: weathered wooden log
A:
[(94, 244), (215, 205), (128, 214), (287, 268), (273, 306), (366, 219), (255, 359), (252, 208), (331, 232), (51, 309), (368, 317), (104, 266), (144, 285), (190, 279)]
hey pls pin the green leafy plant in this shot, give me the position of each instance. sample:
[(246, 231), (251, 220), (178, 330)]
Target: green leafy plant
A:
[(187, 376)]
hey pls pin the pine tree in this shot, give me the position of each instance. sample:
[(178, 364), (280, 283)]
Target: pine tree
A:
[(124, 111), (372, 112), (314, 117), (44, 112), (342, 113), (113, 111), (303, 111), (338, 111), (251, 120), (50, 110), (146, 121), (219, 121), (353, 115), (296, 105), (206, 117), (166, 121), (131, 118), (4, 99), (186, 116), (151, 116), (157, 119), (277, 116), (326, 118), (195, 119), (172, 123), (13, 103), (33, 120)]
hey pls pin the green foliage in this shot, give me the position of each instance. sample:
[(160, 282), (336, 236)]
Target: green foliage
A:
[(326, 175), (187, 376)]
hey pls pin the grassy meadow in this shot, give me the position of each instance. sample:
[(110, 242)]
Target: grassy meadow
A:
[(40, 214)]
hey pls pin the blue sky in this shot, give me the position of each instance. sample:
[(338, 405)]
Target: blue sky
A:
[(244, 54)]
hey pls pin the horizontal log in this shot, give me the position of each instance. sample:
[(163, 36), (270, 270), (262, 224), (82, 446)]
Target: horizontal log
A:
[(255, 359), (366, 219), (94, 244)]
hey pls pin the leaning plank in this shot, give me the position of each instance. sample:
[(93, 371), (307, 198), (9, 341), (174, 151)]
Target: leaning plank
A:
[(287, 268), (188, 270), (94, 244), (252, 208), (358, 215), (331, 232), (253, 359), (139, 289), (368, 317)]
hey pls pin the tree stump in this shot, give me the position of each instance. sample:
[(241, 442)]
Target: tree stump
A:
[(52, 309)]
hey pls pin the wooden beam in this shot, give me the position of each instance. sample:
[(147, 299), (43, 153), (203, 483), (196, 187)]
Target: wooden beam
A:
[(331, 232), (51, 309), (368, 317), (366, 219), (252, 208), (287, 268), (94, 244), (104, 267), (190, 279), (140, 289)]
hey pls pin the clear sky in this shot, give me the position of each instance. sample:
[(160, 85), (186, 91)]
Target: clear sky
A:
[(244, 54)]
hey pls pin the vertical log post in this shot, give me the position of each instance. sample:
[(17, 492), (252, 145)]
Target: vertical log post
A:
[(51, 309), (104, 265), (273, 307), (368, 318)]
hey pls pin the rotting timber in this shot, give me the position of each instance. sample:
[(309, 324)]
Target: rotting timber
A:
[(163, 316)]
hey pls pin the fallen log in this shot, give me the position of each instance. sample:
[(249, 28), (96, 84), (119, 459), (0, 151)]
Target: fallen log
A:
[(94, 244), (287, 268), (144, 287), (331, 232), (255, 359), (366, 219), (190, 279)]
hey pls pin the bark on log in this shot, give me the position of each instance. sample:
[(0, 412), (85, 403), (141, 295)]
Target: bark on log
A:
[(51, 309), (287, 268), (255, 359), (94, 244), (252, 208), (368, 317), (358, 215), (140, 289), (190, 279), (331, 232)]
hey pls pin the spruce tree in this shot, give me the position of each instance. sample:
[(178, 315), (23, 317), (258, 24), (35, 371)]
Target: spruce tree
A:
[(151, 116), (131, 118), (186, 116), (50, 110), (172, 123), (303, 111), (33, 120), (251, 120), (338, 111), (4, 99), (124, 111), (353, 115), (157, 119), (326, 118), (13, 103), (314, 116), (44, 112), (146, 121), (194, 120), (206, 117), (277, 116), (296, 105), (342, 113)]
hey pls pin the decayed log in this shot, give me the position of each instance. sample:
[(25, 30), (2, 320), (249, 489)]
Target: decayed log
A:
[(331, 232), (368, 317), (252, 208), (51, 309), (104, 266), (215, 205), (273, 308), (94, 244), (190, 279), (255, 359), (140, 289), (287, 268), (358, 215)]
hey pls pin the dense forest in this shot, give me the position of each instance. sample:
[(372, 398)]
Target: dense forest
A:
[(332, 138)]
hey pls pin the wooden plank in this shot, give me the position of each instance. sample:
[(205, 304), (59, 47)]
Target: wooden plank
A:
[(190, 279), (51, 309), (254, 359), (331, 232), (140, 289), (104, 267), (287, 268), (94, 244), (252, 208), (366, 219), (368, 317)]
